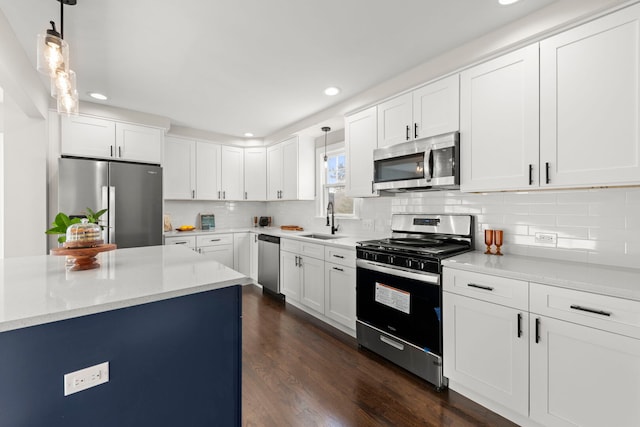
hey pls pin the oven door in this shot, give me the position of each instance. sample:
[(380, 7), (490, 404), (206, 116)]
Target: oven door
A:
[(400, 302)]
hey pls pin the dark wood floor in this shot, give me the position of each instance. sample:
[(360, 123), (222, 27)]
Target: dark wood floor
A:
[(299, 372)]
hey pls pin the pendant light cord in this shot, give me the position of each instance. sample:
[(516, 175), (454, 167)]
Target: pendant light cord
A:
[(62, 20)]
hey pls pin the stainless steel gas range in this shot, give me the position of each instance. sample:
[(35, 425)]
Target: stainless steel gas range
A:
[(398, 292)]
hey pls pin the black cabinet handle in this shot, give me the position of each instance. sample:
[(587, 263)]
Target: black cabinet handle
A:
[(530, 174), (338, 269), (519, 325), (591, 310), (407, 132), (415, 130), (338, 256), (193, 194), (111, 150), (537, 330), (484, 288), (546, 166), (120, 151)]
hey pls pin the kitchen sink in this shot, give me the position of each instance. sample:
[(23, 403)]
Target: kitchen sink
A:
[(320, 236)]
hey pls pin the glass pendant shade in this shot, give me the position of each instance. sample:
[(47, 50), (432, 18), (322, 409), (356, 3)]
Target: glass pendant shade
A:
[(68, 103), (53, 54), (63, 82)]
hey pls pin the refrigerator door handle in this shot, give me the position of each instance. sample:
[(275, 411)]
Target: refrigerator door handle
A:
[(104, 204), (112, 213)]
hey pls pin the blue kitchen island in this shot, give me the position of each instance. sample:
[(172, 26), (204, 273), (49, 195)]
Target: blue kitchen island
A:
[(164, 319)]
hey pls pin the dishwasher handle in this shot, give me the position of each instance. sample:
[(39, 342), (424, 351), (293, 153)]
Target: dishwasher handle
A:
[(269, 238)]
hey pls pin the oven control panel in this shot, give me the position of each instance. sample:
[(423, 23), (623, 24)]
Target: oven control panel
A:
[(401, 260)]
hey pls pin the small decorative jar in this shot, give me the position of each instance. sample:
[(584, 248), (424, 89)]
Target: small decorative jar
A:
[(83, 235)]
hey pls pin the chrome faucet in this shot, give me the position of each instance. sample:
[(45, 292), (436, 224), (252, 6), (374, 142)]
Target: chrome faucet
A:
[(333, 228)]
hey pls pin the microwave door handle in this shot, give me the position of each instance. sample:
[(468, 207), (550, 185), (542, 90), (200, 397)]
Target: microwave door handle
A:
[(428, 164)]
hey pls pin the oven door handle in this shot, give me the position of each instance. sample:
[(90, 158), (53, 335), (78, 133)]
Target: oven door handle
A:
[(398, 271)]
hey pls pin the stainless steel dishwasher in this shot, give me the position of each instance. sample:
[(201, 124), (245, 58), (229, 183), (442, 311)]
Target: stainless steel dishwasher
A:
[(269, 264)]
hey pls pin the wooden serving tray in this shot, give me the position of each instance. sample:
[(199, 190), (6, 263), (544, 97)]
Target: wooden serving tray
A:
[(83, 258), (291, 228)]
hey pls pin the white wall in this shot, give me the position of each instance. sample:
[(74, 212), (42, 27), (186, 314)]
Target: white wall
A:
[(23, 195)]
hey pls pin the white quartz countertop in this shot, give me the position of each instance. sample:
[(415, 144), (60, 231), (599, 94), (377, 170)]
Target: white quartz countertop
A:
[(39, 289), (340, 241), (612, 281)]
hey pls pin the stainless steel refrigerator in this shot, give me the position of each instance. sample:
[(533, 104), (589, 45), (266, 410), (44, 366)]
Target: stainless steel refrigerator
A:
[(132, 193)]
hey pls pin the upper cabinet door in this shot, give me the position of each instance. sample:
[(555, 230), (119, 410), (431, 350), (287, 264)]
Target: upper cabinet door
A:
[(138, 143), (179, 170), (395, 120), (274, 172), (499, 123), (208, 171), (590, 103), (360, 135), (436, 108), (290, 169), (88, 137), (232, 173), (255, 173)]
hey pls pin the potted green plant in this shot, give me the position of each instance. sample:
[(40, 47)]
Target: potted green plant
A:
[(62, 222)]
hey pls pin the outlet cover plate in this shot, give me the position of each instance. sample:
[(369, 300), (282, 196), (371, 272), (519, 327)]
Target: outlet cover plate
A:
[(86, 378), (546, 239)]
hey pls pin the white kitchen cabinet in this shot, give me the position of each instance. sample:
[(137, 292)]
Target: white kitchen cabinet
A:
[(255, 174), (179, 172), (191, 170), (207, 171), (583, 364), (217, 246), (499, 123), (232, 173), (291, 169), (242, 252), (274, 172), (303, 272), (312, 284), (254, 256), (486, 348), (88, 137), (360, 135), (486, 339), (436, 108), (582, 376), (138, 143), (395, 120), (430, 110), (590, 103), (340, 294), (107, 139), (290, 277), (585, 358)]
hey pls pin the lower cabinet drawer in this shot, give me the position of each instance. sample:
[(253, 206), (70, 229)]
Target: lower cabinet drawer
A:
[(214, 240), (611, 314), (500, 290), (189, 241)]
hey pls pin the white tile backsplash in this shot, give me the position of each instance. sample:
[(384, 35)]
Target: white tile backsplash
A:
[(599, 226)]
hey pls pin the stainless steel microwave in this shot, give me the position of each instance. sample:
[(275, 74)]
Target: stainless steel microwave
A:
[(427, 164)]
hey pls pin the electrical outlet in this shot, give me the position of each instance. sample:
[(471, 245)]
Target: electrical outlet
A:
[(86, 378), (546, 239), (367, 224)]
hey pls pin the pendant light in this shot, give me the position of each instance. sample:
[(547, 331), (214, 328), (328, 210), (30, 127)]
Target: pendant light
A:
[(53, 60), (325, 129)]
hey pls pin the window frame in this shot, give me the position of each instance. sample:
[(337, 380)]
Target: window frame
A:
[(321, 185)]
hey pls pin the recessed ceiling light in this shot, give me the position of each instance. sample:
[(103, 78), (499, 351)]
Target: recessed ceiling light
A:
[(248, 134), (507, 2), (331, 91), (97, 95)]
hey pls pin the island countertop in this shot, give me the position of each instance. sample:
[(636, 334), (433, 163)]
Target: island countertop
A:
[(39, 289)]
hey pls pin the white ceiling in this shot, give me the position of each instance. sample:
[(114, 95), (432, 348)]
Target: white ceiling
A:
[(236, 66)]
